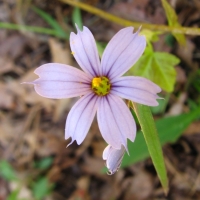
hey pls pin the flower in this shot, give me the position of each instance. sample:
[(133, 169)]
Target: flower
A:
[(100, 86), (113, 158)]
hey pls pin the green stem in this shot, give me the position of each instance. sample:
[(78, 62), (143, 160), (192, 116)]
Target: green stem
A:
[(124, 22), (29, 28)]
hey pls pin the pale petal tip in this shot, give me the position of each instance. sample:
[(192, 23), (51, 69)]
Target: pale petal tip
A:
[(77, 28), (126, 148), (77, 141), (139, 29), (70, 142)]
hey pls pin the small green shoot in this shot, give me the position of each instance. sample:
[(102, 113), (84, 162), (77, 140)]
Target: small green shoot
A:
[(173, 21)]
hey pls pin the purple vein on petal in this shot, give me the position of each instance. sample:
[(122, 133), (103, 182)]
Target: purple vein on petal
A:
[(120, 53), (136, 82), (80, 118), (128, 57), (60, 89), (116, 61), (112, 48), (138, 96), (84, 49), (115, 121), (57, 71), (137, 89), (123, 140), (60, 81)]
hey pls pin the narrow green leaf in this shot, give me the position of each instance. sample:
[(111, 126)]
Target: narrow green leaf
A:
[(173, 21), (6, 171), (169, 129), (35, 29), (158, 67), (152, 140), (76, 18), (52, 22)]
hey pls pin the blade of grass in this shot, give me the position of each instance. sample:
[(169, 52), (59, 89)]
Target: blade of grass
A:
[(52, 22), (175, 127), (76, 18), (152, 140), (35, 29)]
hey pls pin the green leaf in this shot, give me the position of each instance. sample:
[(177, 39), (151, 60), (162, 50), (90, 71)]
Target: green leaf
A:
[(152, 140), (76, 18), (13, 195), (173, 21), (41, 188), (6, 171), (175, 127), (44, 163), (52, 22), (158, 67)]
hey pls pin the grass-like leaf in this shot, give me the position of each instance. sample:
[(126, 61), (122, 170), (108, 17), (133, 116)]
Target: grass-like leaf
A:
[(35, 29), (169, 130), (76, 18), (152, 140), (52, 22)]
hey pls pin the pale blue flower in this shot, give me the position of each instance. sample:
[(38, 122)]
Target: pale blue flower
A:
[(100, 86)]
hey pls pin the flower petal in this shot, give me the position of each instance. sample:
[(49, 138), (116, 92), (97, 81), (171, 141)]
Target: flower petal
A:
[(115, 121), (137, 89), (113, 158), (122, 52), (80, 118), (61, 81), (106, 152), (84, 49), (57, 71)]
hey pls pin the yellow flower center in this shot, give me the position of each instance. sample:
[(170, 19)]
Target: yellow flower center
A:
[(101, 85)]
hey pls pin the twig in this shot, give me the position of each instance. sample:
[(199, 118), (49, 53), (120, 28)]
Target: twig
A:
[(124, 22)]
